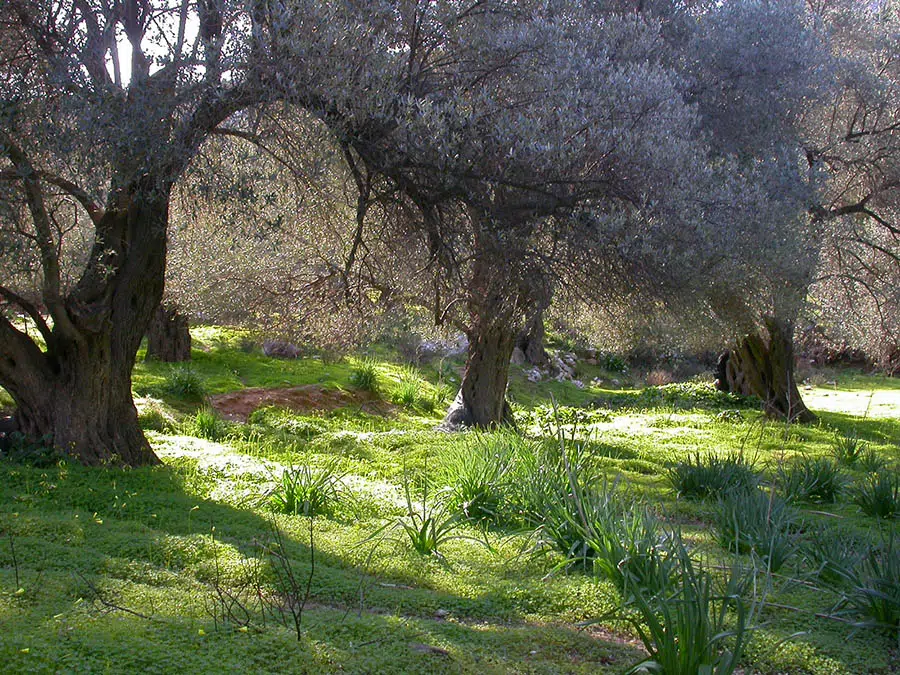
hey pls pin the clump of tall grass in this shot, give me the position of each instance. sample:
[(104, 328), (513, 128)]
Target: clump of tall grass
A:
[(365, 376), (810, 480), (849, 449), (696, 628), (878, 495), (185, 383), (701, 476), (871, 588), (478, 474), (205, 423), (753, 521), (309, 491)]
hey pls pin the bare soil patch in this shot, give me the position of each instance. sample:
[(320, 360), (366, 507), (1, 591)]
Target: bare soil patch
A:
[(237, 405)]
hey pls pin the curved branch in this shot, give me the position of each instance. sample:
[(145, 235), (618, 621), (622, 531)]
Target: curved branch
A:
[(31, 310)]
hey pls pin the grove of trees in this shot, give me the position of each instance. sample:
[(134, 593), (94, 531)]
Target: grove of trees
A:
[(469, 158)]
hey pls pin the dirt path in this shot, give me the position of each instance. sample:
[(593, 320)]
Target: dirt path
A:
[(238, 405)]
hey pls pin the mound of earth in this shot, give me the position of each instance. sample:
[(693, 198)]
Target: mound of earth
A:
[(237, 405)]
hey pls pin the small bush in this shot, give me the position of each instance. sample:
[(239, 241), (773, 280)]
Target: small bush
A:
[(183, 382), (308, 491), (879, 495), (849, 449), (153, 417), (365, 376), (710, 476), (811, 480), (751, 521)]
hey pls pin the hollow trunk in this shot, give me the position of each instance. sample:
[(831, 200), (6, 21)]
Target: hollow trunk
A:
[(169, 337), (77, 395), (531, 340), (763, 366), (481, 400)]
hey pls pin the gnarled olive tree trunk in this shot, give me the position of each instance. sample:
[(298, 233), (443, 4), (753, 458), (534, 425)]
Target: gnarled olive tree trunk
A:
[(531, 340), (77, 394), (494, 323), (763, 366), (169, 336)]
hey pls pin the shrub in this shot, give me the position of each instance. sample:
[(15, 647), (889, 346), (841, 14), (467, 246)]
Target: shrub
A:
[(879, 495), (698, 476), (849, 449), (811, 480), (691, 630), (751, 521), (38, 453), (308, 491), (365, 376), (183, 382)]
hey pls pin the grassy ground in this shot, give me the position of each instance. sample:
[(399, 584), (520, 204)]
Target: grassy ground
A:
[(183, 567)]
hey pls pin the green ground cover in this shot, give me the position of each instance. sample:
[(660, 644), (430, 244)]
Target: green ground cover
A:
[(187, 567)]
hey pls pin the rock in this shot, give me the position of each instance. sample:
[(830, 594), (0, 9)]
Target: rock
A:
[(592, 361), (578, 383), (518, 357), (534, 375), (276, 349)]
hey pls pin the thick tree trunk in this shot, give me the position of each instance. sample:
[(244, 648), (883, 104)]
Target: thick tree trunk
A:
[(169, 337), (763, 366), (77, 395), (531, 340), (481, 400)]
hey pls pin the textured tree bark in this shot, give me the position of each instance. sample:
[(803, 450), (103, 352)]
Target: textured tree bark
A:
[(481, 400), (531, 340), (77, 395), (169, 337), (763, 366)]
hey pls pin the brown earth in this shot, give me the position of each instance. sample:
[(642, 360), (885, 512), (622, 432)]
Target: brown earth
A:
[(237, 405)]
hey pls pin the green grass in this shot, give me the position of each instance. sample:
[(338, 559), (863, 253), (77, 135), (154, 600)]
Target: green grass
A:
[(95, 548)]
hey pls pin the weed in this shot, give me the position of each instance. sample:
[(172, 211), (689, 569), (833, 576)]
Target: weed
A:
[(365, 376), (751, 521), (874, 588), (184, 383), (871, 461), (426, 529), (831, 552), (407, 394), (308, 491), (811, 480), (878, 495), (206, 424), (690, 630), (849, 449), (698, 476), (477, 476)]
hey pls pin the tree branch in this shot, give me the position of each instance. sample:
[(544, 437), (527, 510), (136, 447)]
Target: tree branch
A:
[(31, 310)]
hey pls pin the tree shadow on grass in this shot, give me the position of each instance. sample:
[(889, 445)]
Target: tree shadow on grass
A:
[(145, 533)]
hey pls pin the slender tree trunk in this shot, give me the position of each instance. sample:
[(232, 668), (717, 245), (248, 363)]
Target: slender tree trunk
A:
[(77, 395), (763, 366), (169, 336)]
